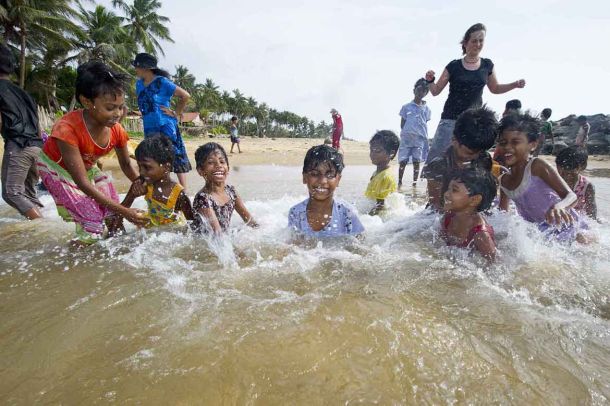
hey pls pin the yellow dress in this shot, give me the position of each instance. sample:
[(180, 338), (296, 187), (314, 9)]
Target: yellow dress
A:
[(164, 213), (381, 185)]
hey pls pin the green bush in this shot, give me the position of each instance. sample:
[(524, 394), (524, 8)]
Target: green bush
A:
[(219, 129)]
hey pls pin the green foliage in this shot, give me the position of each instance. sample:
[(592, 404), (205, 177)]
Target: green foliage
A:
[(219, 129)]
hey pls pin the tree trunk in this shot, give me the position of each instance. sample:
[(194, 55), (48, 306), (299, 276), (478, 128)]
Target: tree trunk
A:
[(22, 57)]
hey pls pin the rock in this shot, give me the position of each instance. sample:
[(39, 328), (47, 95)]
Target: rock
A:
[(565, 131), (559, 146), (597, 147)]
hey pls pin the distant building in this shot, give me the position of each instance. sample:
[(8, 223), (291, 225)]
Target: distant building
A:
[(192, 118)]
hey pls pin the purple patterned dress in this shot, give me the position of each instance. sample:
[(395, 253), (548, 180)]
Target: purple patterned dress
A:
[(533, 198), (223, 213)]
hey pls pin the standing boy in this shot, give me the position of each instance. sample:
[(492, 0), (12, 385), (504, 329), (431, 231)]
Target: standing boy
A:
[(414, 117), (582, 136), (234, 134), (546, 130), (22, 142)]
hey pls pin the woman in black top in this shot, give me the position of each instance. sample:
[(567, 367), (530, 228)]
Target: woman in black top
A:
[(466, 77)]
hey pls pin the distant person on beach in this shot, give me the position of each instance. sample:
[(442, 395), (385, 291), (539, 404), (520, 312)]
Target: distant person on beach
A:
[(383, 148), (414, 117), (337, 129), (546, 131), (467, 77), (470, 192), (582, 136), (539, 193), (321, 215), (167, 203), (155, 91), (571, 162), (512, 107), (475, 132), (82, 193), (215, 202), (234, 134), (22, 142)]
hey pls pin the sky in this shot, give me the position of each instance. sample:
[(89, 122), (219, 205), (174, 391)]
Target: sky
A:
[(362, 57)]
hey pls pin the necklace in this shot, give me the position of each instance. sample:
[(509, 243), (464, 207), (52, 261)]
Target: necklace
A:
[(471, 61)]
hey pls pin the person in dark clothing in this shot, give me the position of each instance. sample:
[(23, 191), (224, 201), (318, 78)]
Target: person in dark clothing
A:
[(466, 77), (22, 142)]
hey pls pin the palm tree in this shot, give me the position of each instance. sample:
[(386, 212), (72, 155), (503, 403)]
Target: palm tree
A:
[(144, 25), (184, 79), (30, 23)]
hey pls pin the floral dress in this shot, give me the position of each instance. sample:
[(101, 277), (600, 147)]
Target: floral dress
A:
[(223, 213)]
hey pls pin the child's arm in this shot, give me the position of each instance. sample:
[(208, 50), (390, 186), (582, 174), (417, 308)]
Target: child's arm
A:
[(434, 194), (241, 209), (402, 122), (590, 205), (137, 189), (379, 206), (485, 245), (503, 201), (183, 204), (556, 214), (210, 216)]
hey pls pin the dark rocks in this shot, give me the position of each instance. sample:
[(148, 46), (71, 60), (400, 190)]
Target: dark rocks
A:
[(565, 131)]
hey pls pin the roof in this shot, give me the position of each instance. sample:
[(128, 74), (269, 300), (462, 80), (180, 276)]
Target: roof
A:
[(190, 117)]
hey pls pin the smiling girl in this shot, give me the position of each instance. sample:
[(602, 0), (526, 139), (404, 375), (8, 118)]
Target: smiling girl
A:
[(216, 201), (539, 193), (82, 192)]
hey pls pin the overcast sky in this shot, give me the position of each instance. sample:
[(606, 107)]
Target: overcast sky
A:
[(363, 57)]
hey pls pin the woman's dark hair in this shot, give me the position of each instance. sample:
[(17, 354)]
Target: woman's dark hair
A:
[(204, 151), (478, 182), (321, 154), (95, 78), (546, 113), (7, 60), (158, 148), (571, 158), (388, 140), (524, 123), (161, 72), (474, 28), (476, 129)]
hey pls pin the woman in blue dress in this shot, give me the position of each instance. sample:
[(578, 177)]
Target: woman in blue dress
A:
[(155, 91)]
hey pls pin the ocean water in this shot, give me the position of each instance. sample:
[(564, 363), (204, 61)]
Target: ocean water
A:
[(166, 317)]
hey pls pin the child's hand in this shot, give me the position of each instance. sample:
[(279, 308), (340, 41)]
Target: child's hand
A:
[(138, 188), (430, 76), (558, 216)]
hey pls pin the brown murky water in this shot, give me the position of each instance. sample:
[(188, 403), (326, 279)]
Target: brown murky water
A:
[(167, 318)]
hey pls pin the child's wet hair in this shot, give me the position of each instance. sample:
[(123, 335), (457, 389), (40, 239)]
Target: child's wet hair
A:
[(581, 119), (388, 140), (571, 158), (159, 148), (7, 60), (514, 104), (525, 123), (204, 151), (94, 79), (321, 154), (234, 118), (476, 129), (478, 182), (546, 113)]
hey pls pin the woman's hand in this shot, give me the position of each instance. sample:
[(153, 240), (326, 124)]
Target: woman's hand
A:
[(558, 216), (520, 84), (430, 76), (135, 216), (171, 113)]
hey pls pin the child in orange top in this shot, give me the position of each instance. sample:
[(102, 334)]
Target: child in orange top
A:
[(167, 202), (470, 192), (84, 194)]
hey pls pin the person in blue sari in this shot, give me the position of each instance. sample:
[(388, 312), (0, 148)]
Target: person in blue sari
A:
[(155, 90)]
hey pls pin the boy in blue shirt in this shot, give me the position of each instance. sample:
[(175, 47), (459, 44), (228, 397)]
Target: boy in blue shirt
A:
[(414, 117)]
